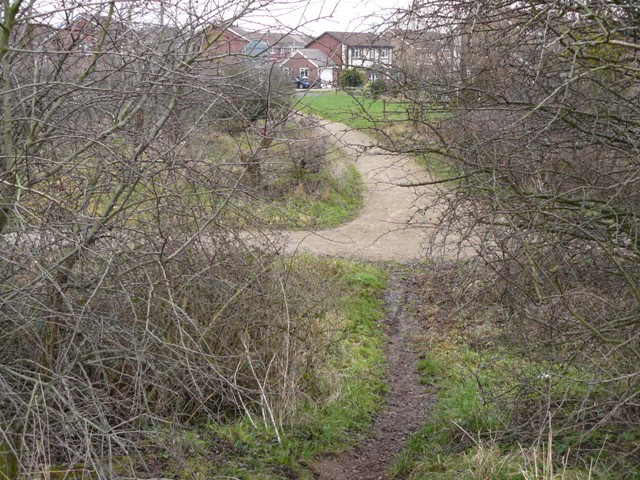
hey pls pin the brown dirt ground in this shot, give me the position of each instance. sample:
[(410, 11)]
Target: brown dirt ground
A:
[(391, 225), (407, 403)]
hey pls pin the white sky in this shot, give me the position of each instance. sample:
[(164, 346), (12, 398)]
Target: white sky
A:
[(312, 17), (317, 16)]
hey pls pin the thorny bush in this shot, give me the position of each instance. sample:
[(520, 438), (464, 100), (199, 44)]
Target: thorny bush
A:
[(540, 129), (128, 299)]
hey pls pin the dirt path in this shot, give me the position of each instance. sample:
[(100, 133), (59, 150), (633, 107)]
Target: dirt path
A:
[(388, 227), (406, 406)]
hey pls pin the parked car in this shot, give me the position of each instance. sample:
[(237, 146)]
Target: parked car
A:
[(301, 82)]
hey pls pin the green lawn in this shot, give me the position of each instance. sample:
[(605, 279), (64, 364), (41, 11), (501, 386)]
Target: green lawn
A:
[(352, 109)]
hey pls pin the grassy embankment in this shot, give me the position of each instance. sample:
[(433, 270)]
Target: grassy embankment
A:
[(328, 420), (324, 194), (477, 428), (335, 197)]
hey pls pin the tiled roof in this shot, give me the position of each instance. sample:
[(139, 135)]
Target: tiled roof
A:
[(359, 39), (241, 32), (273, 38), (316, 56)]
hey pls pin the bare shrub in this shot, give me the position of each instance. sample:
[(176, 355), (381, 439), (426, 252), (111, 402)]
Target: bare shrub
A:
[(308, 146), (129, 300), (541, 134)]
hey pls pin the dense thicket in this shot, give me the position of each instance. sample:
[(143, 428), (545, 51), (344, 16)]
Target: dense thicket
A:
[(540, 123), (129, 300)]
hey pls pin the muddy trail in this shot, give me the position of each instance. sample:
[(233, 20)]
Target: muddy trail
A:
[(394, 225), (407, 403)]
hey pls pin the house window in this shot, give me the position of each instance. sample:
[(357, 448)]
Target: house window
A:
[(275, 51), (304, 72), (384, 53), (357, 52), (372, 75)]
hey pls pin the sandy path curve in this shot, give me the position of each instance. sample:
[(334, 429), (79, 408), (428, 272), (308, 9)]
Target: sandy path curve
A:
[(387, 228)]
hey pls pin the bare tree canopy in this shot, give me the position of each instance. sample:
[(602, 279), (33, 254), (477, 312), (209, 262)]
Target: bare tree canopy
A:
[(538, 121), (128, 298)]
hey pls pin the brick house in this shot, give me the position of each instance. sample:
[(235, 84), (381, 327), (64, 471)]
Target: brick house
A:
[(282, 45), (71, 45), (234, 40), (424, 53), (367, 51), (313, 65), (229, 40)]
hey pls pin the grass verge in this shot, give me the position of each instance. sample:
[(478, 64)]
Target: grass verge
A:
[(335, 197), (325, 421), (471, 432), (353, 109)]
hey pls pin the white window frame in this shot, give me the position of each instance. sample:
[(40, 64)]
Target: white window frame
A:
[(384, 52), (357, 52), (304, 72)]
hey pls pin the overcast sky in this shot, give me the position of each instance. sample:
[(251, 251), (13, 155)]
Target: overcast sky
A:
[(312, 17), (318, 16)]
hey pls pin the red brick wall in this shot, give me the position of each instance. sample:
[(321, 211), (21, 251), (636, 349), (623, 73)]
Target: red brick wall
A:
[(225, 42), (295, 63), (329, 46)]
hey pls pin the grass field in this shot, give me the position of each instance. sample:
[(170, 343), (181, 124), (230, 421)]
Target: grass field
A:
[(352, 109)]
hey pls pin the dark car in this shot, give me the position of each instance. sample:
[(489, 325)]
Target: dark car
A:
[(301, 82)]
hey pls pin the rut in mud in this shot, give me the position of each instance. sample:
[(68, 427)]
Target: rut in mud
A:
[(407, 404)]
